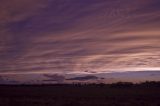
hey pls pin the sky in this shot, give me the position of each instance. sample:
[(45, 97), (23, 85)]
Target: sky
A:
[(78, 37)]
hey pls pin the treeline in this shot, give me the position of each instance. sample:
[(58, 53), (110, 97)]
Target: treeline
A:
[(114, 85), (120, 84)]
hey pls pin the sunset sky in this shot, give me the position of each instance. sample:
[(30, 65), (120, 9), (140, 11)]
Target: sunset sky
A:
[(68, 38)]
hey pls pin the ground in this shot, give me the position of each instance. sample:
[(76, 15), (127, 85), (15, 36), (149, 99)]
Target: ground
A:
[(78, 95)]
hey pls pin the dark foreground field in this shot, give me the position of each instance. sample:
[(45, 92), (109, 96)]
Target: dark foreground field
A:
[(80, 95)]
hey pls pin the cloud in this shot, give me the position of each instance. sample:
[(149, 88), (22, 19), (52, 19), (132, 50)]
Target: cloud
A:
[(17, 10), (85, 78), (2, 81), (54, 78), (78, 36)]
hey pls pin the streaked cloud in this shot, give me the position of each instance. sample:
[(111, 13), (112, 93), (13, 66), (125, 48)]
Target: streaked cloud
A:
[(68, 36)]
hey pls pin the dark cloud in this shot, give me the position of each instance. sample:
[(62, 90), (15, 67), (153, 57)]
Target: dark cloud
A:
[(85, 78), (54, 78), (5, 80), (2, 81)]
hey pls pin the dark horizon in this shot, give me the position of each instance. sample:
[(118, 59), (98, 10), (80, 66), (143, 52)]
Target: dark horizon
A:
[(107, 78)]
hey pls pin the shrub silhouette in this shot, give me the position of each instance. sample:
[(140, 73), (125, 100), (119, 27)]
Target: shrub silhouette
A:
[(122, 84)]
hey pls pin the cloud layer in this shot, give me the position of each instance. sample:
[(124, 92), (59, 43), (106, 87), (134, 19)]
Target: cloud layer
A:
[(82, 36)]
